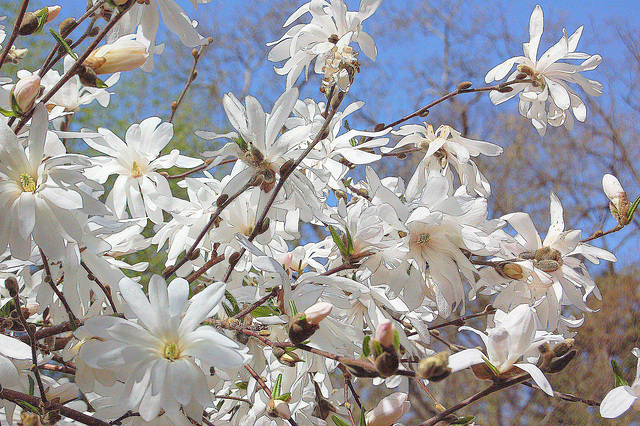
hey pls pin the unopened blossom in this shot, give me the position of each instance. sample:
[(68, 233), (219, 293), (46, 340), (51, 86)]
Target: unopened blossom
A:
[(25, 92), (619, 201), (547, 96), (156, 350), (514, 335), (331, 26), (621, 398), (316, 313), (124, 54), (39, 194), (389, 410), (135, 161), (384, 333)]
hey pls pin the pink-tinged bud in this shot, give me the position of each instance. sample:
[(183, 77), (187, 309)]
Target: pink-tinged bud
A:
[(25, 92), (123, 55), (52, 12), (316, 313), (389, 410), (278, 408), (384, 333)]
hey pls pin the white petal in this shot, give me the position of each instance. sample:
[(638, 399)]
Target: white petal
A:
[(616, 402)]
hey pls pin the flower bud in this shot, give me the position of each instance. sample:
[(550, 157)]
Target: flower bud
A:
[(389, 410), (318, 312), (286, 358), (435, 367), (300, 329), (51, 12), (387, 363), (384, 333), (278, 408), (11, 284), (123, 55), (618, 200), (24, 93), (16, 55)]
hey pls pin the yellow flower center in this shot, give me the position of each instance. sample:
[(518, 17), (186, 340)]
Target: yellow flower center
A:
[(27, 182), (135, 170), (171, 351), (423, 239)]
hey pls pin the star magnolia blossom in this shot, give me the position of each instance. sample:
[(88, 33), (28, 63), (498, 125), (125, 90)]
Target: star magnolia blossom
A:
[(620, 399), (156, 354), (38, 194), (549, 79), (324, 39), (515, 334), (135, 162)]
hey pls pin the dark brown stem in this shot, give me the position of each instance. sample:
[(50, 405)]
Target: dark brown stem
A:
[(189, 172), (106, 292), (53, 331), (14, 33), (32, 342), (254, 305), (599, 233), (55, 288), (77, 64), (208, 265), (17, 397), (494, 387), (566, 396)]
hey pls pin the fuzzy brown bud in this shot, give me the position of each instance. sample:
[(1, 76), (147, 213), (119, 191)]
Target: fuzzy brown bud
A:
[(29, 24), (11, 284), (66, 27), (558, 364), (300, 330), (287, 167), (464, 85), (435, 367), (234, 258)]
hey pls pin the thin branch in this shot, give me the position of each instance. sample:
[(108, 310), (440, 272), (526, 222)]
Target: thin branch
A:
[(55, 288), (95, 279), (14, 33), (17, 397), (566, 396), (192, 76)]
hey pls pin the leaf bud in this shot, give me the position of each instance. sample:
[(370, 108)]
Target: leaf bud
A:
[(379, 127), (286, 358), (234, 258), (505, 89), (29, 24), (558, 364), (11, 284), (464, 85), (221, 200), (435, 367), (94, 31), (276, 408), (66, 27)]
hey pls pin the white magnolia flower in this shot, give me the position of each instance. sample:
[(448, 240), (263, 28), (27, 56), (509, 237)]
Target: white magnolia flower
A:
[(156, 354), (514, 335), (446, 148), (11, 348), (620, 399), (135, 162), (39, 194), (549, 79), (389, 410), (551, 270), (325, 39)]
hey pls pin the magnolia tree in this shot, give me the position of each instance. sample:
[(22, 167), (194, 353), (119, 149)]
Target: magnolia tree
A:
[(245, 324)]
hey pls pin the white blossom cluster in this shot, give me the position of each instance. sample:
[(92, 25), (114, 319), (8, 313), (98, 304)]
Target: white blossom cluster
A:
[(246, 325)]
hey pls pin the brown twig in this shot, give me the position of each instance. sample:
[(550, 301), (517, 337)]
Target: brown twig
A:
[(95, 279), (192, 76), (14, 32)]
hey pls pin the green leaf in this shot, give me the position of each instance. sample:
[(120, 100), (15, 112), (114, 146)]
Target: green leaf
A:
[(366, 350), (7, 113), (32, 386), (363, 421), (101, 84), (241, 143), (227, 309), (491, 366), (338, 241), (396, 340), (632, 209), (338, 421), (617, 373), (232, 300), (64, 44), (377, 347), (242, 385), (284, 397), (28, 407), (275, 392), (264, 311), (464, 420), (346, 124), (292, 305), (349, 242)]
